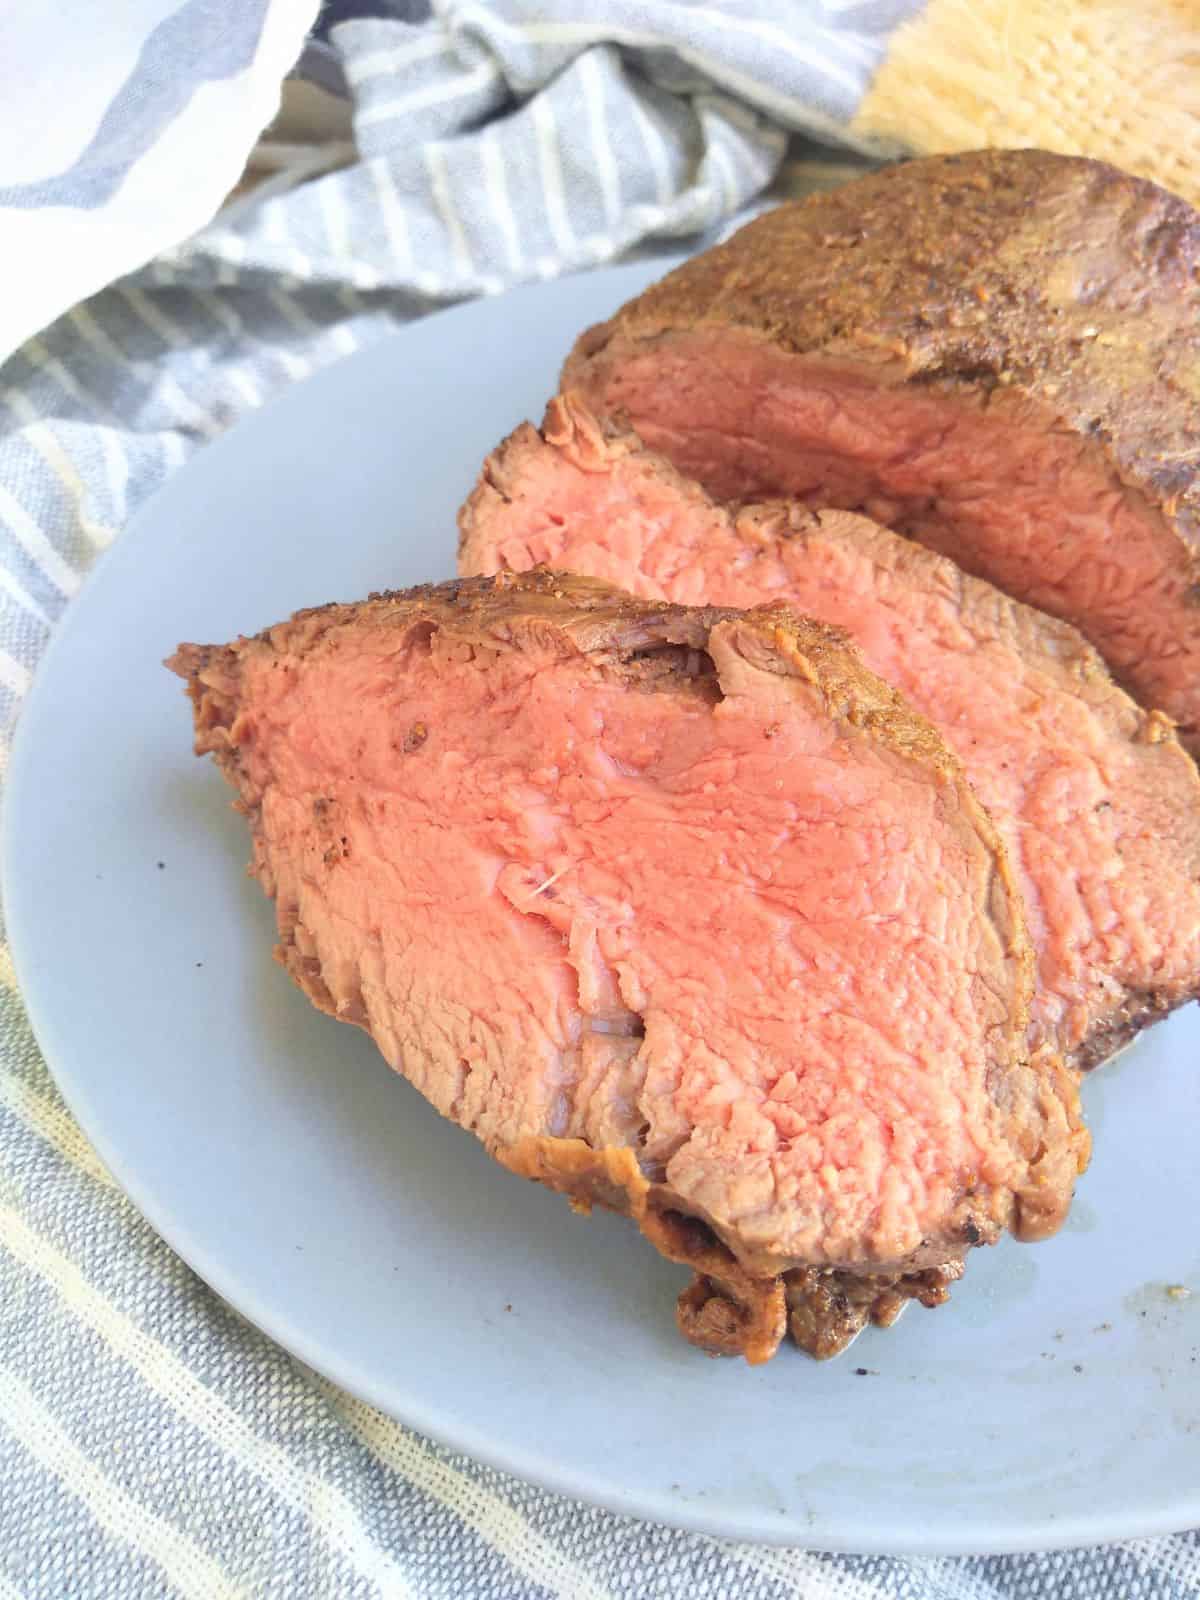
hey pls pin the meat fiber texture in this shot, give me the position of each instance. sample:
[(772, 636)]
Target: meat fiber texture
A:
[(996, 353), (681, 911), (1096, 800)]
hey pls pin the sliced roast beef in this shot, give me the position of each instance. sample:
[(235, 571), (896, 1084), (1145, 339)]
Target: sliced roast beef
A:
[(680, 911), (1096, 799), (997, 353)]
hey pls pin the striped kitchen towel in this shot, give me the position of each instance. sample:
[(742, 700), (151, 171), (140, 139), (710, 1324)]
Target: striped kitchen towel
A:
[(151, 1442)]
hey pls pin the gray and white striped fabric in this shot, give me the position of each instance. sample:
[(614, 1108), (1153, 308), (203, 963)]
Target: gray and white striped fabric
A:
[(121, 131), (152, 1443)]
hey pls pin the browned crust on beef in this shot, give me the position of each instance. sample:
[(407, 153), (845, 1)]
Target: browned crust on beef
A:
[(828, 1310), (1140, 1011), (1059, 277), (725, 1310), (735, 1303)]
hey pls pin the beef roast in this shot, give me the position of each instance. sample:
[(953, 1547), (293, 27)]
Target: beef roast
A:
[(1097, 801), (681, 911), (997, 353)]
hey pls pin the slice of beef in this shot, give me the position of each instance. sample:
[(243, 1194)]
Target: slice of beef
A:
[(682, 912), (996, 353), (1096, 800)]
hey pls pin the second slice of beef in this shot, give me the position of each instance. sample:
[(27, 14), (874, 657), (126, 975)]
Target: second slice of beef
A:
[(681, 911), (1097, 800)]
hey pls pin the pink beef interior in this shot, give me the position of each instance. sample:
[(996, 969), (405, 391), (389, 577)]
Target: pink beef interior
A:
[(986, 479), (1102, 824), (726, 929)]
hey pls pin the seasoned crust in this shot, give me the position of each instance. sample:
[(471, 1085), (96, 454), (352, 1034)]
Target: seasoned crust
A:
[(1057, 276), (828, 1310), (725, 1310)]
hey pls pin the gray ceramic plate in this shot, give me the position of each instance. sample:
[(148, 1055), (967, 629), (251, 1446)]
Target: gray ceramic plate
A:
[(1055, 1402)]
